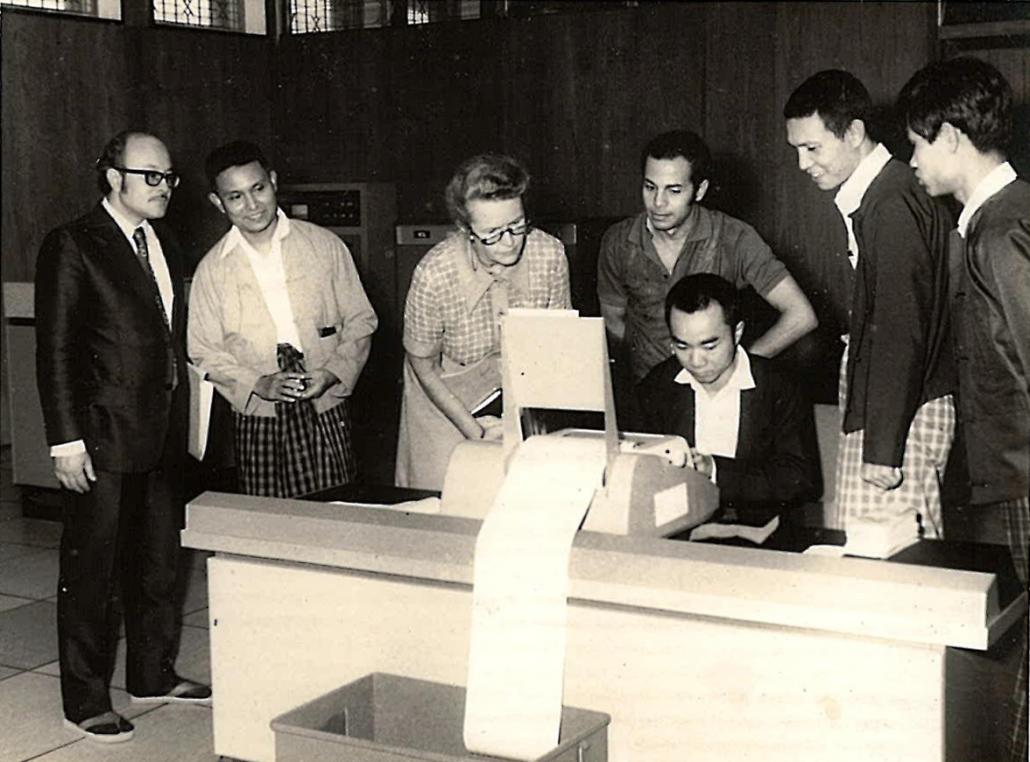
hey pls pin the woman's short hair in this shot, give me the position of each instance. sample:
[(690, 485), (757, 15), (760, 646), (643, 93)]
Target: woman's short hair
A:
[(489, 177)]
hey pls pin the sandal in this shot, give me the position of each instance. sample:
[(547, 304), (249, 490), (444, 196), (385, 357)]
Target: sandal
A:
[(109, 727), (183, 692)]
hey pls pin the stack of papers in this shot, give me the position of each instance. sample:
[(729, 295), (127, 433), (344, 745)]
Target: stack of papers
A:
[(881, 538)]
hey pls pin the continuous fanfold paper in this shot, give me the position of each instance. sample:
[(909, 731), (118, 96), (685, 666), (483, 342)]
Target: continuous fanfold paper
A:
[(517, 646)]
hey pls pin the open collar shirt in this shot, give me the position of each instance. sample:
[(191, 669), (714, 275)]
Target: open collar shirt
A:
[(631, 276), (849, 195), (717, 416), (155, 254), (271, 277)]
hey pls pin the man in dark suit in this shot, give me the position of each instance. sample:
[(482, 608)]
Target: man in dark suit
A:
[(110, 317), (748, 426)]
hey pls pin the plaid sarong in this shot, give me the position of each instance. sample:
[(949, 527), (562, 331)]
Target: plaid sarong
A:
[(1017, 514), (298, 451), (926, 453)]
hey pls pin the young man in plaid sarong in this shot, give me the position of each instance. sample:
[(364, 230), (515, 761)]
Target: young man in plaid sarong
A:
[(280, 324), (959, 118), (897, 374)]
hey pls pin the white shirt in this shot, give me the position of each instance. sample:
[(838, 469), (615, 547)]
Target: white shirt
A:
[(271, 277), (996, 179), (717, 416), (849, 195), (156, 257)]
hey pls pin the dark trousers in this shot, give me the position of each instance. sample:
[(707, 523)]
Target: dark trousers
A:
[(119, 552), (1017, 515)]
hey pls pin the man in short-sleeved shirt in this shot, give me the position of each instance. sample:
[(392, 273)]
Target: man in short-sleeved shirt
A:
[(643, 256)]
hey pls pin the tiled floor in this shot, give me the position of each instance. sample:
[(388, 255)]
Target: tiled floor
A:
[(30, 698)]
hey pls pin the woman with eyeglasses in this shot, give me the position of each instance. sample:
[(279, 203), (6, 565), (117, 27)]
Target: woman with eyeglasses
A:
[(493, 261)]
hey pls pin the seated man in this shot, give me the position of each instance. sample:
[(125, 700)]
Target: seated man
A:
[(748, 426)]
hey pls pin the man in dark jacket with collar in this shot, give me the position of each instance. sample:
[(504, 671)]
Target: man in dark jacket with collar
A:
[(897, 375), (748, 425), (111, 366), (959, 117)]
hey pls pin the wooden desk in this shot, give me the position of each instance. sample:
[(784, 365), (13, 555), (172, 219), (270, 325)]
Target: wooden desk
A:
[(698, 652)]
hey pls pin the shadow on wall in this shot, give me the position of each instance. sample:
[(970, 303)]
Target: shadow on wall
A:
[(1019, 152), (194, 220), (5, 413), (735, 187)]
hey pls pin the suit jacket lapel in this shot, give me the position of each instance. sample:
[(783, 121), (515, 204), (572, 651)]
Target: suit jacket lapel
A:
[(123, 256), (117, 247), (746, 426), (684, 412)]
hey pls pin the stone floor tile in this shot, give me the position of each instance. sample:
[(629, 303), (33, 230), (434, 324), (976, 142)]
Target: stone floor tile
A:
[(30, 576), (25, 531), (29, 635), (31, 715)]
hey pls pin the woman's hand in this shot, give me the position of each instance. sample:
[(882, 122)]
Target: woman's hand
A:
[(493, 429)]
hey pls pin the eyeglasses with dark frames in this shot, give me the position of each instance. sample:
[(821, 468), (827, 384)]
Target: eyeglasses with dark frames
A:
[(518, 229), (152, 177)]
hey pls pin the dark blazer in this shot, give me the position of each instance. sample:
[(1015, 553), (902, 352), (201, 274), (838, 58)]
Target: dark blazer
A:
[(777, 458), (991, 318), (899, 352), (110, 371)]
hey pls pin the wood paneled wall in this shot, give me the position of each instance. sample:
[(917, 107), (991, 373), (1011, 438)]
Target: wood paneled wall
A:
[(573, 95), (883, 44), (576, 95), (583, 92), (1014, 64), (64, 86), (70, 84)]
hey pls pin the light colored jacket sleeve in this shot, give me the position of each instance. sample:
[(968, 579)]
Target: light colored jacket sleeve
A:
[(206, 343), (358, 318)]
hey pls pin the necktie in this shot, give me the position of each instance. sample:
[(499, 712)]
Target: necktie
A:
[(139, 237)]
